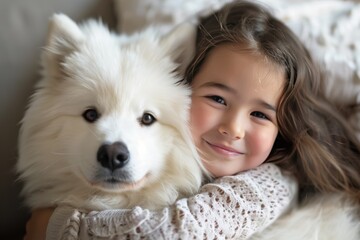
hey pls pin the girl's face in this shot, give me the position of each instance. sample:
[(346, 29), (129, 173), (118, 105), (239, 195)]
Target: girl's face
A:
[(233, 112)]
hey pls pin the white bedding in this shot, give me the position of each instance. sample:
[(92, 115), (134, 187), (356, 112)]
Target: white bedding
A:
[(329, 28)]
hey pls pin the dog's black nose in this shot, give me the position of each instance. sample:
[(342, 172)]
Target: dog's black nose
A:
[(113, 156)]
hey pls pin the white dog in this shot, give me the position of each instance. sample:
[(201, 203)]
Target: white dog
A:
[(107, 125)]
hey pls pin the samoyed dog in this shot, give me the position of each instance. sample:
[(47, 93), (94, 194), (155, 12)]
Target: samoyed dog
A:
[(107, 126)]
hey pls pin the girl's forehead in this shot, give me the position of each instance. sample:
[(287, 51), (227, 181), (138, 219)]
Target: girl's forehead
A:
[(255, 52), (242, 61)]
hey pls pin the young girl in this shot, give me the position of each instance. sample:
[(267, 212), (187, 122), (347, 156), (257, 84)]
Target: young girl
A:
[(255, 97)]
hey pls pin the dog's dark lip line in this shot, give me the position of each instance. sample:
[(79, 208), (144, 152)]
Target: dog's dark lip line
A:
[(114, 180)]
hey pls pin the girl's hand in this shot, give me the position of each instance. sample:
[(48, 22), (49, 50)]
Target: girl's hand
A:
[(37, 224)]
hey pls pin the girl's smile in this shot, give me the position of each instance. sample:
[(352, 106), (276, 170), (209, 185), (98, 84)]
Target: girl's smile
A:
[(223, 150)]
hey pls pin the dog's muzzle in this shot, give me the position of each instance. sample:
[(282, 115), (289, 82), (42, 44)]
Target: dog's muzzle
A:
[(113, 156)]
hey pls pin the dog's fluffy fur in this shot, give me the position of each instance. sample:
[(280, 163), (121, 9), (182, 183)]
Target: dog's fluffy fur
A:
[(123, 78), (325, 217)]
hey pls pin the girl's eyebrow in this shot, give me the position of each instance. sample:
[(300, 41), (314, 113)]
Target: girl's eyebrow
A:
[(266, 105), (220, 86)]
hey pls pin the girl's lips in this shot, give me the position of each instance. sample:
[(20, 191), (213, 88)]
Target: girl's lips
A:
[(223, 150)]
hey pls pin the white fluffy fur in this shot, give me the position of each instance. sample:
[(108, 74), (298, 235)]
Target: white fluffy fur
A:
[(330, 217), (122, 77)]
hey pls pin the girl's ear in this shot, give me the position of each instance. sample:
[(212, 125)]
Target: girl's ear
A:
[(64, 37), (180, 44)]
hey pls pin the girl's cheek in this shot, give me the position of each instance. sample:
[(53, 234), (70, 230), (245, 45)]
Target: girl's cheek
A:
[(199, 114), (199, 119), (196, 118), (265, 140)]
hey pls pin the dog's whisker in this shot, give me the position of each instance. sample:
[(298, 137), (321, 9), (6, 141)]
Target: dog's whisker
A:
[(94, 133), (45, 168), (65, 154)]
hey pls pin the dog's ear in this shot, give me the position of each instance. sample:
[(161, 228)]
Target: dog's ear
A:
[(180, 44), (64, 36)]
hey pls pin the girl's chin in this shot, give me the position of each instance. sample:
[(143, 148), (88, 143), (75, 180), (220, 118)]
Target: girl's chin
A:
[(216, 168)]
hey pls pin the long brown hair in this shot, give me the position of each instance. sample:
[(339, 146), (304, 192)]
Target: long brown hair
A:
[(314, 140)]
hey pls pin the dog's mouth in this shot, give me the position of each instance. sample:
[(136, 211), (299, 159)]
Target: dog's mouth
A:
[(113, 181), (117, 184)]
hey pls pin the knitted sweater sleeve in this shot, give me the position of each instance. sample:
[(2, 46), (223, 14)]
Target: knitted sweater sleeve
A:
[(231, 207)]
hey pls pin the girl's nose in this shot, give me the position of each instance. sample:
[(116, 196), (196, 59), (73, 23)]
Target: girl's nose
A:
[(232, 129)]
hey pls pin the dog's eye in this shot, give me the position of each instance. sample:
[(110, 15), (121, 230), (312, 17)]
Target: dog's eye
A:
[(91, 115), (147, 119)]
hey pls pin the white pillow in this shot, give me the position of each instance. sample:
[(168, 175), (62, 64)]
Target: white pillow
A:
[(329, 28)]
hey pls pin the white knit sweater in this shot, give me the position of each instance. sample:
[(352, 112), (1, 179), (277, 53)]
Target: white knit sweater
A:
[(231, 207)]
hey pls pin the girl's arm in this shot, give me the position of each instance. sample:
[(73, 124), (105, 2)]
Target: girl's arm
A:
[(230, 207)]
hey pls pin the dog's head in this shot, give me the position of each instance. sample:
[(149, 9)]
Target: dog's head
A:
[(109, 113)]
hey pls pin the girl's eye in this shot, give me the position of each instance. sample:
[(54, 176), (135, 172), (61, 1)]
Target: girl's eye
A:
[(259, 115), (217, 99), (147, 119), (91, 115)]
